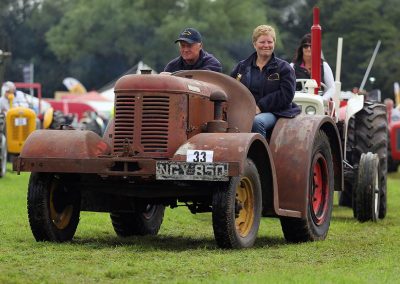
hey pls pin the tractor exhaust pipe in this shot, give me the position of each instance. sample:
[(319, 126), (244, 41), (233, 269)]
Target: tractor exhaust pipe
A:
[(316, 49)]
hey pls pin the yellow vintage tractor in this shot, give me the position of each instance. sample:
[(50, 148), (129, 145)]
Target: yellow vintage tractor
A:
[(19, 120)]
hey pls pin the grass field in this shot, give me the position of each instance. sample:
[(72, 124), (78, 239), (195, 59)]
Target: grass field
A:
[(185, 251)]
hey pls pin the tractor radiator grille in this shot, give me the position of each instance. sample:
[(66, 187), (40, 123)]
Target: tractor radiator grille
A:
[(124, 121), (141, 124), (155, 116)]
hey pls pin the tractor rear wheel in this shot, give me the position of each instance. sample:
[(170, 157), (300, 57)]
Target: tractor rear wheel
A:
[(366, 194), (145, 221), (320, 197), (237, 208), (367, 132), (53, 209)]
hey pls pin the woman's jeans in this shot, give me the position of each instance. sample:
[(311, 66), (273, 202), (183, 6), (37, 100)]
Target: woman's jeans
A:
[(263, 123)]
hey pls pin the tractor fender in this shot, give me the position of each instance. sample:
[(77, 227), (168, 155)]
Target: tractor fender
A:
[(69, 144), (291, 147), (236, 147), (394, 133)]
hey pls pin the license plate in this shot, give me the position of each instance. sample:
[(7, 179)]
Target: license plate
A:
[(20, 121), (166, 170)]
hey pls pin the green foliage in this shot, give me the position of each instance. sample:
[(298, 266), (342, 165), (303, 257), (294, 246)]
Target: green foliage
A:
[(146, 30), (185, 250), (361, 26)]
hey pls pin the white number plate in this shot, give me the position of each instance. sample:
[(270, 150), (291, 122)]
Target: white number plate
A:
[(20, 121), (166, 170), (199, 156)]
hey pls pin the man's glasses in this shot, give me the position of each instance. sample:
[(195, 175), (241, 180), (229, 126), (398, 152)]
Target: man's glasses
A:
[(306, 45)]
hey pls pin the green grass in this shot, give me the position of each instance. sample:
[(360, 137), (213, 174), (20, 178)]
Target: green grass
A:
[(185, 251)]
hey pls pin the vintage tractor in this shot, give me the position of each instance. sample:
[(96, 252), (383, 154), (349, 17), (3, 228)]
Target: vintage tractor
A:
[(185, 138), (20, 121), (362, 125)]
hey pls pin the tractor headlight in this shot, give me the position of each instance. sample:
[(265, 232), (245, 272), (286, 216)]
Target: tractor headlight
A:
[(311, 110)]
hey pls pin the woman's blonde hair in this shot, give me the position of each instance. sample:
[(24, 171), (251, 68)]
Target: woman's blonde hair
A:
[(263, 30)]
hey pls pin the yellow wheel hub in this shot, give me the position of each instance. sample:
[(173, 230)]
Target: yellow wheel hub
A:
[(244, 207), (60, 217)]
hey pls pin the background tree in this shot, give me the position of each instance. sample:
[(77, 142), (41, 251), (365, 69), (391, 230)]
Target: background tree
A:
[(146, 30)]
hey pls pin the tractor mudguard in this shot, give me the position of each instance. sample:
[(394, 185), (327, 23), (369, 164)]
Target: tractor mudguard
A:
[(236, 148), (291, 146), (226, 147), (395, 140), (69, 144)]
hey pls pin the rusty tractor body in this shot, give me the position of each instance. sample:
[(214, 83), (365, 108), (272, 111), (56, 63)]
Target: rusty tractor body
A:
[(185, 139)]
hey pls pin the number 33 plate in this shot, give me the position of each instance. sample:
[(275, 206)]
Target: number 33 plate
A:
[(199, 156)]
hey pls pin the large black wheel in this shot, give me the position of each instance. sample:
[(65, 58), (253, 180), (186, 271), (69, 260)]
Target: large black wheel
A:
[(367, 132), (146, 220), (237, 208), (58, 120), (316, 223), (3, 146), (93, 122), (53, 209), (366, 194), (3, 155)]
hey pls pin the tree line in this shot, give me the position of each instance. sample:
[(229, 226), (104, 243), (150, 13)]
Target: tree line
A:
[(97, 40)]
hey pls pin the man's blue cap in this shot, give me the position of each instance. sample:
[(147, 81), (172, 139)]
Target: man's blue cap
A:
[(189, 35)]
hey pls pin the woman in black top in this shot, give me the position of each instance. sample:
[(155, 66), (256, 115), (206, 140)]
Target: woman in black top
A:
[(271, 80)]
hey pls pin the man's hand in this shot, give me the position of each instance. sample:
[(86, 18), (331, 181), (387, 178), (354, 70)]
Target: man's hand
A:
[(258, 110)]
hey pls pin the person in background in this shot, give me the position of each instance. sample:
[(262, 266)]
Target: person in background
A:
[(192, 56), (394, 112), (270, 79), (8, 90), (302, 66)]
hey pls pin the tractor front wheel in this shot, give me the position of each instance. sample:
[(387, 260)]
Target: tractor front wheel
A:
[(53, 209), (366, 194), (237, 209), (146, 220), (316, 223)]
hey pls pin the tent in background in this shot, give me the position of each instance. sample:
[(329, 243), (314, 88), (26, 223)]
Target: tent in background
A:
[(108, 90)]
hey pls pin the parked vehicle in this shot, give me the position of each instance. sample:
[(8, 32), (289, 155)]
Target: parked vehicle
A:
[(19, 121)]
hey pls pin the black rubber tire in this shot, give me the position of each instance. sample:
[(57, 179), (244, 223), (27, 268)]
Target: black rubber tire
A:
[(316, 224), (366, 194), (58, 120), (93, 122), (3, 146), (368, 132), (146, 221), (3, 155), (53, 210), (236, 209)]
